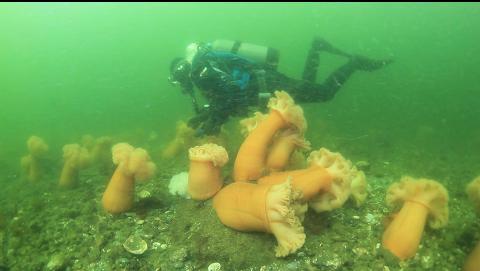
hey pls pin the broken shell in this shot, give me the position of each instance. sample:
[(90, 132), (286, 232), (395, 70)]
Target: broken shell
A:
[(135, 245)]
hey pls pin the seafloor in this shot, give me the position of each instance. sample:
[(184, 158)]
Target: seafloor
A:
[(43, 227)]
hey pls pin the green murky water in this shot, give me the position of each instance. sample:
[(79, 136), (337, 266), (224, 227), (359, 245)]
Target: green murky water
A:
[(71, 69)]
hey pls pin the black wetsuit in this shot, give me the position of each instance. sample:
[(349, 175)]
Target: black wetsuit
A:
[(231, 84)]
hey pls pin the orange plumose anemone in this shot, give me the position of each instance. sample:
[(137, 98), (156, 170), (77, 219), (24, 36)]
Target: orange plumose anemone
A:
[(420, 200), (184, 138), (251, 158), (75, 158), (88, 141), (473, 260), (275, 209), (204, 178), (32, 165), (309, 181), (284, 144), (473, 192), (132, 165), (347, 181), (327, 183)]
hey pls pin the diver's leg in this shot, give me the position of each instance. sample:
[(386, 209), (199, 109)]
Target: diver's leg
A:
[(338, 78), (311, 64), (279, 81), (324, 45), (367, 64), (309, 91), (313, 58), (302, 91)]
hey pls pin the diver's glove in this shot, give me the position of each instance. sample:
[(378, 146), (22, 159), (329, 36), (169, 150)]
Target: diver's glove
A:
[(195, 122), (212, 125), (198, 120), (199, 132), (205, 131)]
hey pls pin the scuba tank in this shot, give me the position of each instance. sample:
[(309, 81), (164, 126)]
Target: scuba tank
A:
[(262, 55), (255, 53)]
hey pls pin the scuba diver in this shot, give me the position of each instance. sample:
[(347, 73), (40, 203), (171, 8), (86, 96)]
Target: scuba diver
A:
[(234, 75)]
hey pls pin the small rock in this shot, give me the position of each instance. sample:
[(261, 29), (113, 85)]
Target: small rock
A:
[(155, 245), (215, 267), (363, 165), (179, 256), (57, 262), (293, 266), (370, 219), (122, 262), (360, 251), (426, 262), (334, 262), (144, 194)]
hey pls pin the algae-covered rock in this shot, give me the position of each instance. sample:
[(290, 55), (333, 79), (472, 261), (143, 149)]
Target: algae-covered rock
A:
[(135, 245)]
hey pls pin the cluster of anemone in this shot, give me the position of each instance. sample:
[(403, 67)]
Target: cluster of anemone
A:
[(264, 196), (133, 164), (252, 157), (76, 157)]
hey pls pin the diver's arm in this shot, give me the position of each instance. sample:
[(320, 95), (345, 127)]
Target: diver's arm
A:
[(210, 120), (223, 93), (214, 122), (196, 108), (215, 115)]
